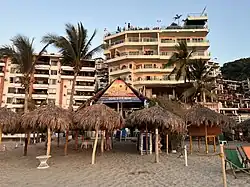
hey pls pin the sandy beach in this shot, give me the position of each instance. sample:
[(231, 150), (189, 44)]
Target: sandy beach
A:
[(122, 166)]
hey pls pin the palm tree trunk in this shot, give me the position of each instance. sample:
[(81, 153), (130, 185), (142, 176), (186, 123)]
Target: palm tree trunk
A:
[(72, 91), (204, 97), (94, 148), (102, 141), (26, 98), (76, 140), (48, 142)]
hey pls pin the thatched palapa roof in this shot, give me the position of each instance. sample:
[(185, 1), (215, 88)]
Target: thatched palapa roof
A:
[(98, 116), (199, 115), (156, 117), (8, 120), (47, 116)]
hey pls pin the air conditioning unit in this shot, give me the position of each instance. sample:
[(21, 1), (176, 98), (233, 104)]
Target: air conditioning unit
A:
[(65, 86), (64, 94)]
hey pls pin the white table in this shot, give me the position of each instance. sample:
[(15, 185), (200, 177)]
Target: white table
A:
[(43, 161)]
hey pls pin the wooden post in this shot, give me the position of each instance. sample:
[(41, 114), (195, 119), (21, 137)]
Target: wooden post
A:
[(28, 137), (34, 137), (206, 142), (25, 147), (223, 166), (156, 146), (190, 144), (146, 138), (94, 148), (214, 144), (37, 137), (48, 142), (76, 140), (199, 143), (66, 142), (58, 138), (102, 141), (167, 143), (185, 155), (1, 134)]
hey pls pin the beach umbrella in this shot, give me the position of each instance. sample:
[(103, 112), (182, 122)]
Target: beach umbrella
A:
[(97, 117), (48, 117), (156, 118), (9, 121)]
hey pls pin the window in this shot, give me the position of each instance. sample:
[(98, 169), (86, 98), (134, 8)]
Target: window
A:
[(130, 66), (52, 91), (147, 65), (11, 80), (12, 70), (53, 72), (67, 102), (11, 90), (9, 100), (53, 81), (68, 91), (53, 63), (51, 101)]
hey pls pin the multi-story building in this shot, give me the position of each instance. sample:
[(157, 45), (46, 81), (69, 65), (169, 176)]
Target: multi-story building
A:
[(52, 83), (102, 73), (140, 55)]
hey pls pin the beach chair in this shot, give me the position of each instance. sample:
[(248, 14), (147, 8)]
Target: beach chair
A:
[(222, 139), (235, 163)]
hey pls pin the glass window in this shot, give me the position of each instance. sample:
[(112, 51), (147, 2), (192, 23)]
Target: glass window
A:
[(53, 72), (53, 63), (68, 91), (53, 81), (11, 90), (9, 100)]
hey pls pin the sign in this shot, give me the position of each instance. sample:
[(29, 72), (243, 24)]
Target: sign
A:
[(119, 92)]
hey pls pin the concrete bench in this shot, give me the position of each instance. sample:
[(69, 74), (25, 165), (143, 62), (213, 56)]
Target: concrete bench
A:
[(43, 161)]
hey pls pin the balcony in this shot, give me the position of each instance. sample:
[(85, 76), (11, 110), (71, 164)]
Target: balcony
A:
[(1, 74), (190, 43), (42, 67), (119, 71), (168, 69), (85, 78), (69, 68), (2, 63), (184, 28), (41, 74), (156, 81), (40, 85), (134, 54), (81, 97), (39, 96), (85, 88)]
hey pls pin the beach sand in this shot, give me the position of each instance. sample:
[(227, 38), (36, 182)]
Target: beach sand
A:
[(122, 166)]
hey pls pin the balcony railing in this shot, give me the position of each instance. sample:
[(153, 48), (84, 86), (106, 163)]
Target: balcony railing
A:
[(157, 28)]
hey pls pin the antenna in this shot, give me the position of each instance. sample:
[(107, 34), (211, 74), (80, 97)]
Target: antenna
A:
[(203, 10)]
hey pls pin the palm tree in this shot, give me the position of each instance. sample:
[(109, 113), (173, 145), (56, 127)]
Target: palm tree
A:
[(181, 59), (21, 52), (203, 84), (177, 17), (75, 49)]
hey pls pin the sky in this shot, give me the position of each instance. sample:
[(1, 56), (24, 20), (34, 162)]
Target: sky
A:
[(228, 19)]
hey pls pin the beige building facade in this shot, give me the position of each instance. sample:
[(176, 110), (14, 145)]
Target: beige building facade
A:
[(140, 55), (52, 83)]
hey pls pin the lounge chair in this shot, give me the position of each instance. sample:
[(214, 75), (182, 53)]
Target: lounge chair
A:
[(235, 163)]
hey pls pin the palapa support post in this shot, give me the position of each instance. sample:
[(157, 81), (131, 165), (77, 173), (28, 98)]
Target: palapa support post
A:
[(185, 155), (190, 144), (94, 148), (37, 137), (167, 143), (34, 137), (0, 134), (102, 141), (58, 138), (156, 146), (66, 142), (76, 140), (48, 142), (224, 177), (25, 149), (214, 144), (199, 143), (206, 142), (146, 137)]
